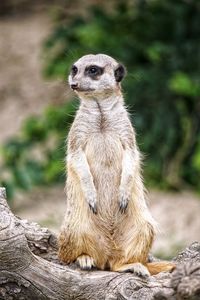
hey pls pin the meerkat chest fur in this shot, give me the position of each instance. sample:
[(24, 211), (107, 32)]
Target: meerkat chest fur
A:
[(101, 129)]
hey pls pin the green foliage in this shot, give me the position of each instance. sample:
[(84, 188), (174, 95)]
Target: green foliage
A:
[(34, 129), (159, 43), (182, 84), (36, 157)]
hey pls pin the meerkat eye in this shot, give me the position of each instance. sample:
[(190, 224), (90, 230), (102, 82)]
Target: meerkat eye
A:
[(74, 70), (94, 71)]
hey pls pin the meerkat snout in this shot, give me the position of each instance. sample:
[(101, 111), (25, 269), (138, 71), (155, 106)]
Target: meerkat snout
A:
[(74, 86), (96, 75)]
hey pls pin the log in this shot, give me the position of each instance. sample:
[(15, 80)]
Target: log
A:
[(29, 269)]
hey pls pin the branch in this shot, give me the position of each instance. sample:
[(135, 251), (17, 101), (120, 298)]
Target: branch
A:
[(29, 269)]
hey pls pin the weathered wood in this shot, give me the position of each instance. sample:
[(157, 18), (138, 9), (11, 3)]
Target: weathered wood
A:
[(29, 269)]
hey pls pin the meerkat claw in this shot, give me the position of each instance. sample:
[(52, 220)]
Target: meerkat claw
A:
[(123, 200), (123, 204), (85, 262), (93, 208), (123, 207), (92, 202)]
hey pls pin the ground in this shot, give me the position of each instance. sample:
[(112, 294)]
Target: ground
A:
[(24, 91)]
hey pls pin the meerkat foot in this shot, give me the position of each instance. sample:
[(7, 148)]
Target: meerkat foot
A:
[(85, 262), (136, 268)]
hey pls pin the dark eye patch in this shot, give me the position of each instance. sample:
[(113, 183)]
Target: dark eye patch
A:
[(74, 70), (94, 71)]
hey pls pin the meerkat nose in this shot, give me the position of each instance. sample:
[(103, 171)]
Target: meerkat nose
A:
[(74, 86)]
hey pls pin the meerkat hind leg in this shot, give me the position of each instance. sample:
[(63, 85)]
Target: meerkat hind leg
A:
[(85, 262), (136, 268)]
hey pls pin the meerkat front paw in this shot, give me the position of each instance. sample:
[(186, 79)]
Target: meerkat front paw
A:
[(123, 200), (92, 201), (85, 262)]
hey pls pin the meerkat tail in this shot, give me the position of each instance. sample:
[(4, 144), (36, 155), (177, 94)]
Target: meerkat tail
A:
[(161, 266)]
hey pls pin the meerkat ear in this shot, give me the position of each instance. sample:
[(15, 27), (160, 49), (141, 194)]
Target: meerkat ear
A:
[(120, 72)]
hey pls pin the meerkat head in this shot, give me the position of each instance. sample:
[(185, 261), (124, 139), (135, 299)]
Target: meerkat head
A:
[(96, 76)]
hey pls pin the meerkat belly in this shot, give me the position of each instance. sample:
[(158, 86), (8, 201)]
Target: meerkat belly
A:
[(104, 155)]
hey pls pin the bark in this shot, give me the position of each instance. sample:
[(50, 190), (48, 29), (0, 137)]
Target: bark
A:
[(29, 269)]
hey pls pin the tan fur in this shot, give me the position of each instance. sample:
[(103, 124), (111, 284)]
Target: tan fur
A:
[(103, 172)]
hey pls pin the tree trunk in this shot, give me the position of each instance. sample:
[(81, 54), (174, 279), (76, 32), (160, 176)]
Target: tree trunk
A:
[(29, 269)]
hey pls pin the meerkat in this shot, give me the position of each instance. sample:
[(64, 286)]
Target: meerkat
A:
[(107, 223)]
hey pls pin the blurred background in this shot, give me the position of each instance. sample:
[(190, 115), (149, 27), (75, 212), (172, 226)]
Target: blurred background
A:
[(159, 42)]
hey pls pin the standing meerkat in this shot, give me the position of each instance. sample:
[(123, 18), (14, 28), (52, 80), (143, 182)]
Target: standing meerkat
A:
[(107, 223)]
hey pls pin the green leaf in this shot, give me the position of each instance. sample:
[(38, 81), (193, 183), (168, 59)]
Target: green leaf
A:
[(182, 84)]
